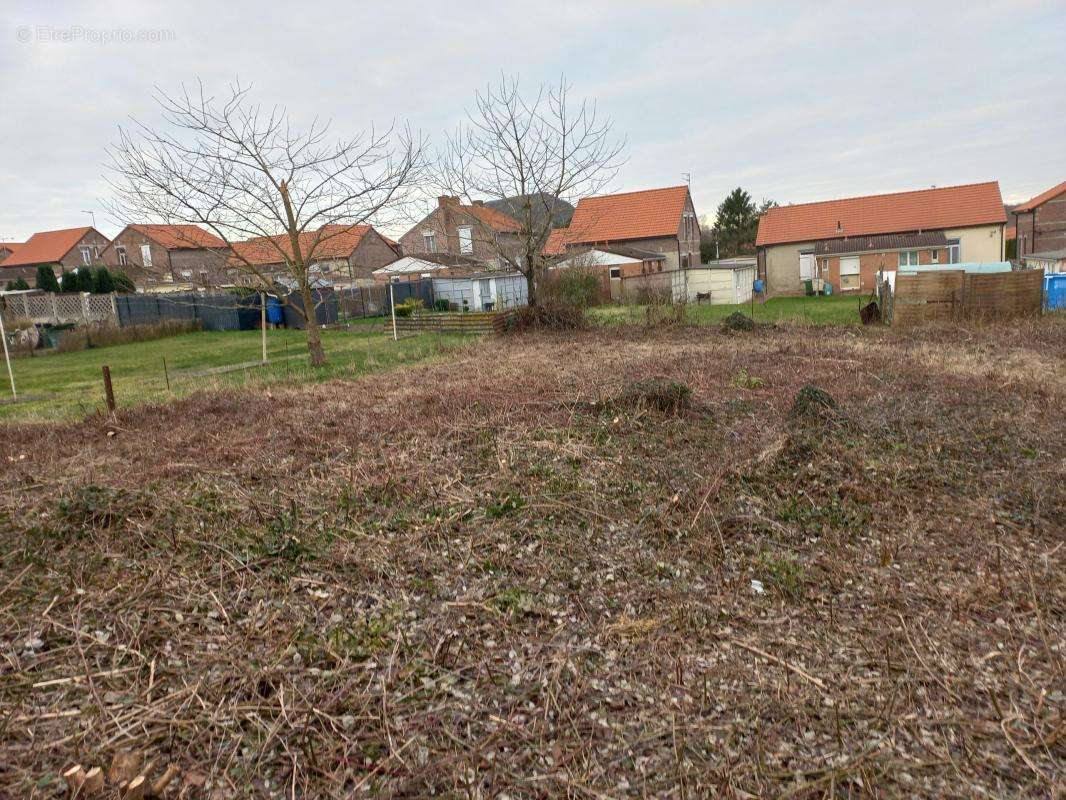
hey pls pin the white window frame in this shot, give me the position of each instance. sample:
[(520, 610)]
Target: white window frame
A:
[(429, 241), (123, 259), (908, 258), (86, 256), (935, 255), (954, 251), (146, 255), (466, 239)]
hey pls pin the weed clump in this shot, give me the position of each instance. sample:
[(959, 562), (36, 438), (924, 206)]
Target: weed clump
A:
[(737, 322), (664, 395), (552, 313), (812, 403)]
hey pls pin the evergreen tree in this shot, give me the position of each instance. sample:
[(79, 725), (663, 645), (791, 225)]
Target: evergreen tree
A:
[(122, 283), (17, 284), (68, 282), (738, 220), (46, 279), (102, 281), (84, 280)]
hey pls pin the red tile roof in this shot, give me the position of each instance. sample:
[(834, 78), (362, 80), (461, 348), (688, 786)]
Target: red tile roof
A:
[(180, 237), (630, 215), (46, 247), (333, 241), (11, 247), (1010, 232), (925, 209), (1043, 197)]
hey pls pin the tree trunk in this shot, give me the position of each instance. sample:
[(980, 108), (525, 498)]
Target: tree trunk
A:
[(531, 288), (314, 337)]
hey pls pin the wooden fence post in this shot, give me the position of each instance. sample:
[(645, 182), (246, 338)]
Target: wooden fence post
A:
[(109, 391)]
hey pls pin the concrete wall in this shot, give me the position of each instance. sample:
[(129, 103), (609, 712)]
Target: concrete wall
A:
[(726, 286), (980, 245), (780, 264)]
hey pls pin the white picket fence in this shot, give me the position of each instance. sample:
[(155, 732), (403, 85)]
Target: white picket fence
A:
[(44, 308)]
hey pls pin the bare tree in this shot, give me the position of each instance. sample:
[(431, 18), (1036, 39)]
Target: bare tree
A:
[(533, 153), (244, 172)]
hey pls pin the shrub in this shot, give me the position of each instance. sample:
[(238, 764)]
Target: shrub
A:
[(403, 310), (549, 314), (68, 282), (577, 286), (83, 279), (102, 281), (46, 279), (123, 283), (441, 304), (738, 322), (17, 284)]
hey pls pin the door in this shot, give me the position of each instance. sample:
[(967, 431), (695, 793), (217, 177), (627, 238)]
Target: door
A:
[(484, 290), (616, 283), (806, 266)]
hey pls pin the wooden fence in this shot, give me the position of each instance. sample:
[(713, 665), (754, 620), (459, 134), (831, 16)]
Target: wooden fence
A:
[(956, 295), (474, 322)]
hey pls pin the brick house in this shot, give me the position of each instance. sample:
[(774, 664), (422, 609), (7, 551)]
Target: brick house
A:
[(158, 256), (8, 249), (341, 254), (1041, 223), (659, 221), (61, 250), (475, 230), (846, 242)]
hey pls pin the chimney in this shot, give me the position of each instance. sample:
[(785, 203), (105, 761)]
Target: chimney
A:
[(445, 200)]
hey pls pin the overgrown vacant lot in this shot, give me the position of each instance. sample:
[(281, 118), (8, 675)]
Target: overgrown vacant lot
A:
[(529, 572)]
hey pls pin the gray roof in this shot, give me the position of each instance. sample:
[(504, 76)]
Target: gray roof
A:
[(1049, 255), (631, 252), (886, 241)]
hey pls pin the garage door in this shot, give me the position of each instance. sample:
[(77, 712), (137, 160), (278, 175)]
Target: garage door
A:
[(849, 274)]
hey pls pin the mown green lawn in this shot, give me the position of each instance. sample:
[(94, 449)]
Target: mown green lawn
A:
[(833, 310), (70, 385)]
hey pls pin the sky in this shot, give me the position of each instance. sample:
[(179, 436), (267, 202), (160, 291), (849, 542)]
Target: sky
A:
[(793, 101)]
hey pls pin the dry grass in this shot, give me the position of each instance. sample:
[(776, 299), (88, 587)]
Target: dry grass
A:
[(420, 584)]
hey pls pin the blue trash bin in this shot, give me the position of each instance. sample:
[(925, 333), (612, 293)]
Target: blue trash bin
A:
[(758, 286)]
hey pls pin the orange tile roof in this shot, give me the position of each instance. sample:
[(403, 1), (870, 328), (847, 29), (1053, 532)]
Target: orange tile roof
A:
[(1043, 197), (46, 247), (179, 237), (630, 215), (556, 242), (1010, 232), (11, 247), (925, 209), (333, 241)]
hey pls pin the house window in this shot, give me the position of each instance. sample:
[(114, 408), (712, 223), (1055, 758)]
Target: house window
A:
[(908, 258), (466, 239), (122, 258), (684, 261), (936, 256), (616, 272), (429, 241), (954, 251), (86, 256), (146, 255)]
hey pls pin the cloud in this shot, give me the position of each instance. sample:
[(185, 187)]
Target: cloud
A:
[(795, 103)]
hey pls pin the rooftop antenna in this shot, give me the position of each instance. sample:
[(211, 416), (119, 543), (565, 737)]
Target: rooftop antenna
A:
[(688, 178), (92, 216)]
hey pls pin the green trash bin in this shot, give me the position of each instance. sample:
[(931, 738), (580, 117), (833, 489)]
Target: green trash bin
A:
[(808, 287)]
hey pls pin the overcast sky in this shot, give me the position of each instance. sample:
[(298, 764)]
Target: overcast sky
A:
[(792, 103)]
